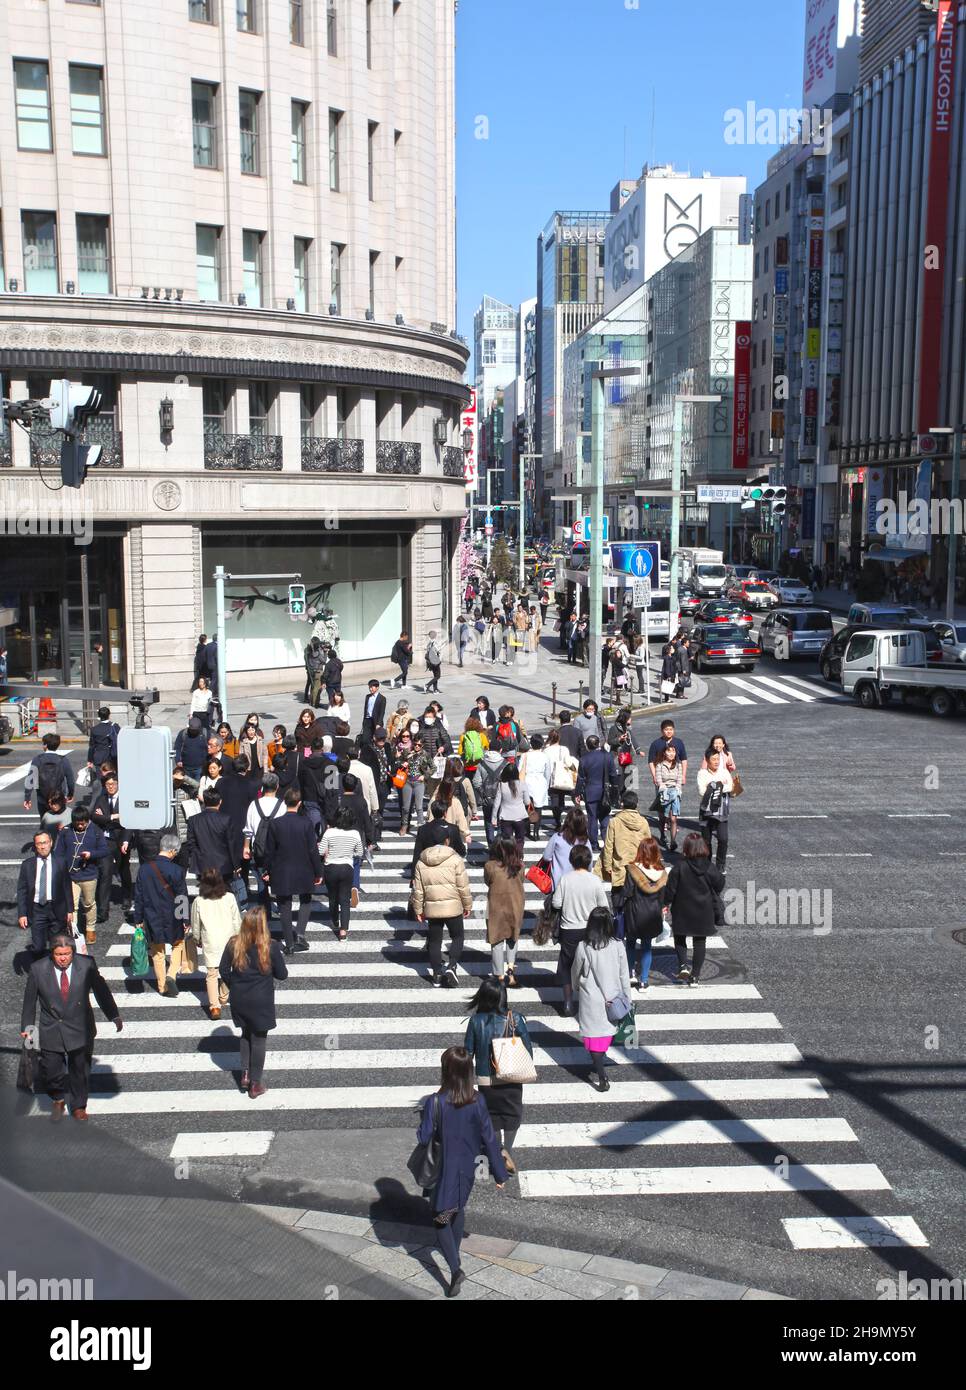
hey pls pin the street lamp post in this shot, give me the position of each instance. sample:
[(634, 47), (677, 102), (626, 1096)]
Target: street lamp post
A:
[(489, 514), (524, 459), (679, 403), (953, 539), (595, 540)]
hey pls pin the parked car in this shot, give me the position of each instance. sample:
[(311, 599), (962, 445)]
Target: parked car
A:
[(805, 630), (953, 638), (830, 657), (723, 610), (791, 592), (689, 603), (884, 615), (753, 593), (723, 648)]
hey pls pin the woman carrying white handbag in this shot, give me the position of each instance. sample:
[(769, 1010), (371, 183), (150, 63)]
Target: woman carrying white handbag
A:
[(498, 1040), (562, 767)]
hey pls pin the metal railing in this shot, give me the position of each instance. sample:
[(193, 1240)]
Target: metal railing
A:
[(256, 453), (396, 456), (332, 455), (45, 445), (453, 462)]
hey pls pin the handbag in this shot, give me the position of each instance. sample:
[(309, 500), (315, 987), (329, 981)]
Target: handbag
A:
[(27, 1067), (548, 925), (534, 815), (626, 1035), (83, 778), (509, 1056), (625, 758), (140, 960), (400, 778), (667, 687), (426, 1160), (538, 875), (737, 785), (564, 778), (619, 1007)]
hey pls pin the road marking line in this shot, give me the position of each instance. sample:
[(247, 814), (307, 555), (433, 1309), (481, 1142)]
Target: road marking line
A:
[(16, 774), (833, 854), (414, 1058), (292, 1098), (919, 815), (795, 817), (618, 1134), (762, 694), (786, 689), (737, 1177), (418, 995), (230, 1144), (851, 1232), (740, 700), (404, 1024)]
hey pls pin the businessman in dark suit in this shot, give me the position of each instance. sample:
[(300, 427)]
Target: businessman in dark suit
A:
[(210, 844), (373, 712), (292, 868), (570, 737), (62, 983), (597, 787), (45, 902), (105, 814)]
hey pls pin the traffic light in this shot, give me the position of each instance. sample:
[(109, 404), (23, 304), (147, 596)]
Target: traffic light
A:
[(778, 501), (75, 459), (754, 493), (296, 600), (73, 405)]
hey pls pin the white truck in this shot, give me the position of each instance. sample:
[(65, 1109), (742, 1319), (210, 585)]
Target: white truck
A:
[(879, 664), (702, 571)]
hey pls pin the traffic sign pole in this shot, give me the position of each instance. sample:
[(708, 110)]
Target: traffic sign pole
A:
[(220, 577)]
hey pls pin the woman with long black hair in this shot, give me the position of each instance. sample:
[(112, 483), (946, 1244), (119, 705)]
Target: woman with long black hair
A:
[(250, 965), (599, 976), (503, 876), (643, 906), (492, 1018), (692, 894), (510, 806), (457, 1113)]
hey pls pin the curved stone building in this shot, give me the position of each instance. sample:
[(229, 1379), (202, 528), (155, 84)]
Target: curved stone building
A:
[(236, 219)]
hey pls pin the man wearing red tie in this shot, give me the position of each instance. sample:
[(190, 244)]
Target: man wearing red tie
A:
[(62, 983)]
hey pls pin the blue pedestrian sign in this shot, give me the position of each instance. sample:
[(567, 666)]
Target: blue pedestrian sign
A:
[(640, 559), (588, 528)]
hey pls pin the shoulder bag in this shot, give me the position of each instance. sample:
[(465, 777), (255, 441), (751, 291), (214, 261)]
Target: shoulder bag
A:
[(539, 876), (426, 1160), (510, 1059), (400, 777), (737, 786), (548, 925)]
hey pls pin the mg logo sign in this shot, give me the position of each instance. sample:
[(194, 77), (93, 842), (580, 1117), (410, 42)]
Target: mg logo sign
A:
[(682, 225)]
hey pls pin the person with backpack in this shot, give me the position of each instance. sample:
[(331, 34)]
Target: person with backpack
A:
[(434, 661), (642, 904), (473, 744), (507, 728), (49, 772), (331, 674), (488, 777), (191, 748), (266, 806), (461, 637), (79, 850), (102, 744), (693, 895), (401, 656), (715, 785)]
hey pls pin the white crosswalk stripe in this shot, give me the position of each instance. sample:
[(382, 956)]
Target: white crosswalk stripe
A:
[(360, 1031), (786, 691)]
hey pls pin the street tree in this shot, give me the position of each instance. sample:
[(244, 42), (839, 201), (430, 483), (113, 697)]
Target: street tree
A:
[(501, 562)]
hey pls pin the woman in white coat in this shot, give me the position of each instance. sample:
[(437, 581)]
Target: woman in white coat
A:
[(215, 919), (600, 976), (200, 705), (535, 769), (715, 784), (563, 775)]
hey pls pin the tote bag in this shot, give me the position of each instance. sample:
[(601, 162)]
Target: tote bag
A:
[(509, 1056)]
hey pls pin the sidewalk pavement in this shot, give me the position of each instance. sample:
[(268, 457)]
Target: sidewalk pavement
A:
[(495, 1268)]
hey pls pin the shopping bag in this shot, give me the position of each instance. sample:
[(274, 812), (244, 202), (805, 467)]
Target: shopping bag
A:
[(27, 1067), (626, 1035)]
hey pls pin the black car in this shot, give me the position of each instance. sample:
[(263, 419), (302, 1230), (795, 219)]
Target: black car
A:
[(728, 647), (688, 603), (723, 610), (830, 658)]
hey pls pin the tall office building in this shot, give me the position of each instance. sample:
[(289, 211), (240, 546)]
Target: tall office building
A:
[(889, 27), (241, 212), (496, 351)]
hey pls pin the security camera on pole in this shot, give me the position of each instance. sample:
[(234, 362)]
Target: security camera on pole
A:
[(71, 406)]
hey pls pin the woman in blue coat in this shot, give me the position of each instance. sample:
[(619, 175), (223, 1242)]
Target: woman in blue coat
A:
[(459, 1114), (251, 964), (503, 1099)]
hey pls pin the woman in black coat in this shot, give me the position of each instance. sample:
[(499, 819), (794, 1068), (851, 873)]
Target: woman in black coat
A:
[(642, 903), (693, 895), (250, 965)]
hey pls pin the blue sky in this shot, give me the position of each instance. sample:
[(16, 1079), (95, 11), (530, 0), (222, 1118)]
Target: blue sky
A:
[(567, 86)]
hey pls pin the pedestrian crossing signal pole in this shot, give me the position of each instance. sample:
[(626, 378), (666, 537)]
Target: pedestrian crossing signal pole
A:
[(296, 600), (676, 494), (220, 577)]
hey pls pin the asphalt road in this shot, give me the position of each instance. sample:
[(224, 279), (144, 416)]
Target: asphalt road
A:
[(852, 1021)]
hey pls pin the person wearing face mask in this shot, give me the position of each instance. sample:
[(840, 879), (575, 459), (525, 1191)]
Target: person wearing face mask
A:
[(434, 733), (411, 755)]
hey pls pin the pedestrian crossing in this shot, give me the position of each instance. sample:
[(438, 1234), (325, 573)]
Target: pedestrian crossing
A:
[(360, 1031), (788, 690)]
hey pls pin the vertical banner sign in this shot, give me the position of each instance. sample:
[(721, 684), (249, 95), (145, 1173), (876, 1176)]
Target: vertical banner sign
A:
[(468, 422), (739, 440), (937, 205)]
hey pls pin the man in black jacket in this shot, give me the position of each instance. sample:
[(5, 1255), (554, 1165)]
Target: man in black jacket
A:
[(570, 738), (62, 983), (331, 674), (377, 757), (343, 745), (45, 901), (102, 744), (238, 790), (319, 784), (106, 816), (436, 831), (402, 656), (191, 748), (201, 660), (210, 844), (292, 868), (49, 772), (597, 787), (373, 711)]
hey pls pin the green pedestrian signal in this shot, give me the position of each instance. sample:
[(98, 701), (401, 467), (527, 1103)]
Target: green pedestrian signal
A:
[(296, 600)]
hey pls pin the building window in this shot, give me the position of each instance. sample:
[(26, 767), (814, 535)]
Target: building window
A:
[(87, 109), (39, 252), (373, 127), (248, 103), (754, 354), (300, 112), (247, 12), (332, 28), (489, 352), (215, 398), (3, 286), (303, 246), (33, 106), (252, 267), (373, 264), (764, 306), (757, 265), (335, 122), (754, 315), (400, 284), (342, 414), (202, 11), (204, 123), (308, 409), (368, 33), (93, 254), (296, 22), (336, 252), (778, 206), (208, 258), (261, 398), (752, 442), (765, 260), (788, 196)]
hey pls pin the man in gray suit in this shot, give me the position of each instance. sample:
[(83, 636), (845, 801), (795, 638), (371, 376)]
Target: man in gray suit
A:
[(62, 983)]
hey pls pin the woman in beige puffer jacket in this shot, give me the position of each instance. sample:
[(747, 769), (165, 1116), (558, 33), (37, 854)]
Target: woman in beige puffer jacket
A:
[(441, 898)]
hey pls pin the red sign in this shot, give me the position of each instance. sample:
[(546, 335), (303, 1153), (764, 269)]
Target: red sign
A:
[(740, 433), (937, 207), (815, 251)]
